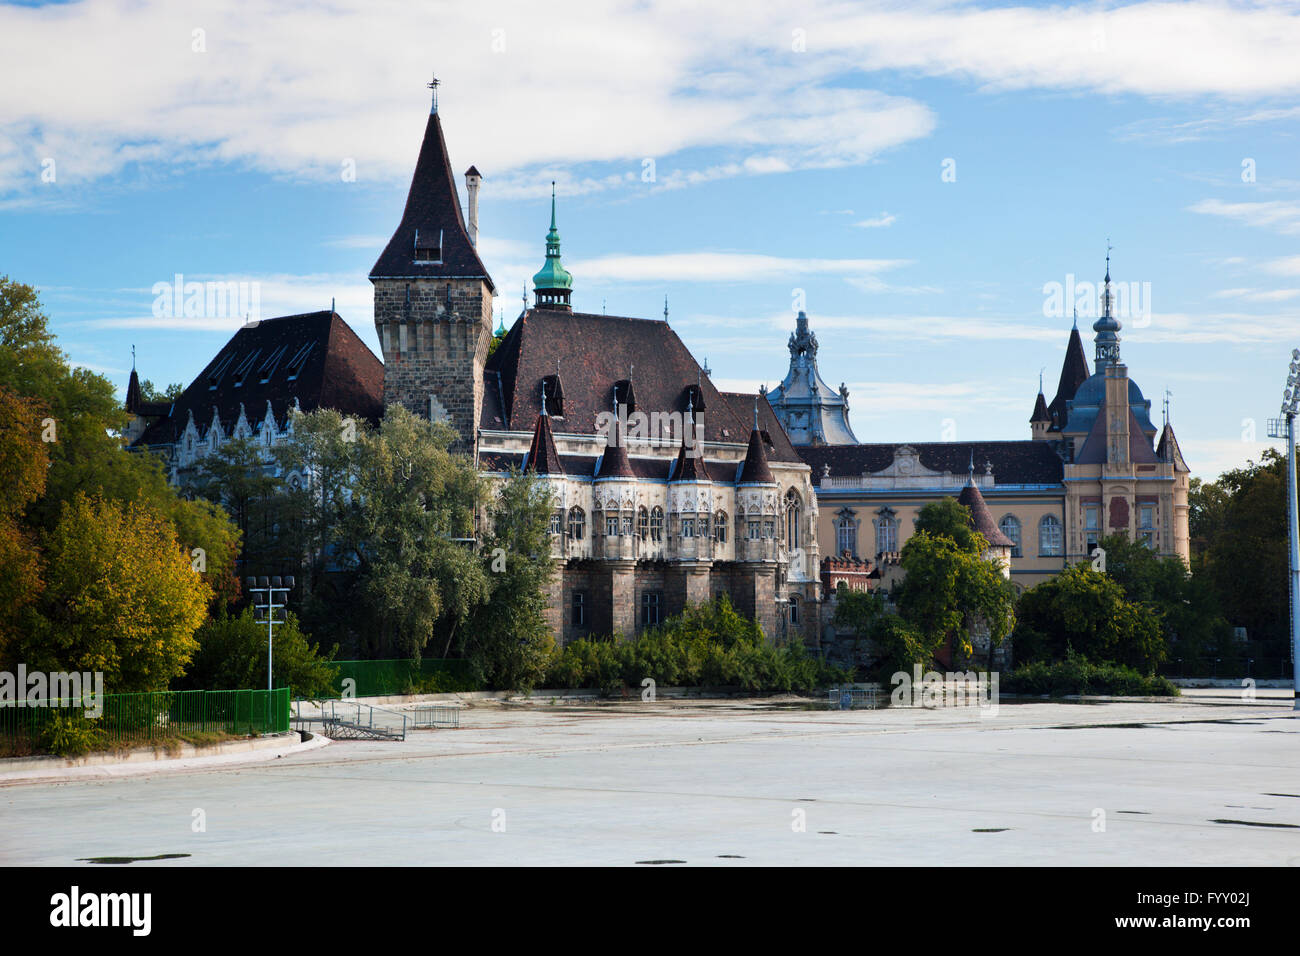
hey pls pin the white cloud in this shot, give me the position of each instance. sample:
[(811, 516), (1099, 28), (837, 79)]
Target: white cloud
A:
[(295, 88), (1210, 457), (1280, 215), (884, 220)]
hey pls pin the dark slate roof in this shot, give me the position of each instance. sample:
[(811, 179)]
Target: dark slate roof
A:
[(755, 470), (593, 353), (1095, 450), (982, 518), (432, 207), (335, 369), (136, 405), (1040, 410), (1168, 449), (614, 463), (1074, 372), (690, 465), (1014, 462), (542, 457)]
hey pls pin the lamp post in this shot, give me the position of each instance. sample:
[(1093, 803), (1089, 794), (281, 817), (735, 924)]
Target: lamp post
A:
[(1285, 428), (264, 593)]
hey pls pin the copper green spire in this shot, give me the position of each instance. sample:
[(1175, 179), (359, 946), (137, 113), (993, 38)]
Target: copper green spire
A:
[(553, 284)]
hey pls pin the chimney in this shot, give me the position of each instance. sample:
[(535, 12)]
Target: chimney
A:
[(472, 180)]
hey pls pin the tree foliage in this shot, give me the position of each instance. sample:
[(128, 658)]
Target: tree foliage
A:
[(232, 651), (1087, 612), (120, 597)]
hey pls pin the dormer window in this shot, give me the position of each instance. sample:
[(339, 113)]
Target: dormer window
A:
[(218, 370), (272, 360), (244, 368), (428, 245), (299, 359), (554, 395)]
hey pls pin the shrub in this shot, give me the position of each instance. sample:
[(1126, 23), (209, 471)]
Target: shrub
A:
[(70, 735), (1076, 675)]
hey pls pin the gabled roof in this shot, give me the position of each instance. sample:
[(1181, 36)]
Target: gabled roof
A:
[(982, 518), (314, 358), (1074, 372), (433, 208), (593, 353), (1014, 462)]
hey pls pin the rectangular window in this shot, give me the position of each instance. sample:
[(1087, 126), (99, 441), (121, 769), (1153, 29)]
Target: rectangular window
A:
[(578, 612), (611, 525), (688, 527), (754, 529), (650, 606), (1147, 525), (1091, 526), (769, 529), (627, 524), (846, 537), (557, 522)]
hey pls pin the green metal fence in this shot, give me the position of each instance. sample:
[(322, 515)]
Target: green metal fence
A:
[(391, 677), (143, 718)]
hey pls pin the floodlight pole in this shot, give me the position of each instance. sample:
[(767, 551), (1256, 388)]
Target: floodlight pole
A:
[(1293, 533), (1290, 403), (270, 589)]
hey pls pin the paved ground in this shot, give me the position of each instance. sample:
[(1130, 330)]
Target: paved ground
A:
[(724, 783)]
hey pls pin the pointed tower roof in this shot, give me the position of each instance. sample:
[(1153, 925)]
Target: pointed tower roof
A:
[(981, 517), (690, 461), (614, 463), (553, 284), (755, 470), (542, 456), (1040, 409), (433, 212), (1168, 449), (133, 399), (1074, 372)]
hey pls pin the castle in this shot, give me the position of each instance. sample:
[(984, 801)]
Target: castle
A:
[(668, 490)]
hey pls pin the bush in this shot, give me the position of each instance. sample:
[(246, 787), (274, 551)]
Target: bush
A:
[(1076, 675), (708, 645), (232, 655), (70, 735)]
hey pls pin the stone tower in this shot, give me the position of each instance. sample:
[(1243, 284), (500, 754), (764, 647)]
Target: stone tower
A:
[(433, 300)]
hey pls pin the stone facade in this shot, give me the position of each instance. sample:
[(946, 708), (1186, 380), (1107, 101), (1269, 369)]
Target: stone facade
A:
[(435, 335)]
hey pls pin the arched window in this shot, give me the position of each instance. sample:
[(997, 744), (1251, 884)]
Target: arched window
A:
[(643, 523), (1010, 526), (793, 516), (557, 521), (1049, 536), (657, 524), (886, 532), (794, 610), (846, 533), (577, 523), (720, 527)]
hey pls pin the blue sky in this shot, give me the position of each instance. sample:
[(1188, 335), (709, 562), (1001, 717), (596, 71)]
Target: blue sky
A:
[(791, 151)]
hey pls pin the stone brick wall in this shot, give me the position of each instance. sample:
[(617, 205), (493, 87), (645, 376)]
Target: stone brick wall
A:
[(435, 346)]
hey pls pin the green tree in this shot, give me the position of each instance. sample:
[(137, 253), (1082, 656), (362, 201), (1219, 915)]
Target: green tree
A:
[(949, 518), (1240, 521), (508, 637), (23, 465), (120, 597), (1086, 611), (232, 650), (82, 426)]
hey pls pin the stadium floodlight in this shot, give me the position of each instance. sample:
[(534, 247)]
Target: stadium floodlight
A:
[(1290, 401)]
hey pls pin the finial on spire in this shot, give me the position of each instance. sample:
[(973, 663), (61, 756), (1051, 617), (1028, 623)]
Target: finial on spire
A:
[(332, 305), (543, 396), (1076, 316), (433, 85), (971, 473), (755, 414), (133, 358), (665, 306), (1168, 395), (1040, 379), (525, 297)]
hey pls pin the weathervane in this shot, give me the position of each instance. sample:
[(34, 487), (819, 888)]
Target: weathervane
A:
[(433, 85)]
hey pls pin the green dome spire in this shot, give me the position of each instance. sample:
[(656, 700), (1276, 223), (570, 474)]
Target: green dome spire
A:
[(553, 284)]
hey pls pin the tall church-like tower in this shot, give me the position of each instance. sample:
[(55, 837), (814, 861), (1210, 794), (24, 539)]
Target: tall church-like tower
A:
[(433, 297)]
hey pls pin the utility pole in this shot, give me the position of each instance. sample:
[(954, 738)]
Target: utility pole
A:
[(265, 592), (1285, 428)]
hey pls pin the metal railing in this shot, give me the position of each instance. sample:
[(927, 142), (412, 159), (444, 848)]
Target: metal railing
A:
[(434, 715), (126, 720)]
